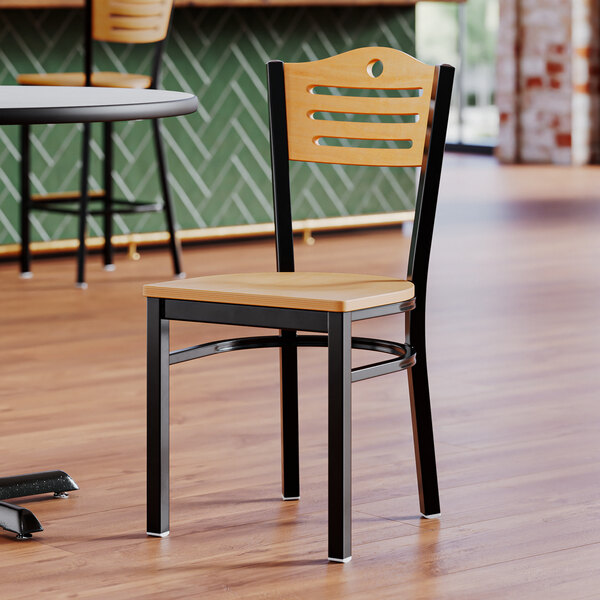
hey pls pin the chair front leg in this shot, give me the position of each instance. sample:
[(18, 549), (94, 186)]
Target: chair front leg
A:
[(420, 405), (290, 467), (340, 436), (157, 420)]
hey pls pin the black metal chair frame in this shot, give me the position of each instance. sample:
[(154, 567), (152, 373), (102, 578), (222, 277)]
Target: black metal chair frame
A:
[(109, 205), (410, 356)]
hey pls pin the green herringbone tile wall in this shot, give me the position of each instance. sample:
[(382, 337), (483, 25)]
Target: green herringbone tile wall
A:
[(219, 157)]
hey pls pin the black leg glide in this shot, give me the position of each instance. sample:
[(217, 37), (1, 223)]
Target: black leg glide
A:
[(340, 437), (174, 243), (290, 467), (158, 421)]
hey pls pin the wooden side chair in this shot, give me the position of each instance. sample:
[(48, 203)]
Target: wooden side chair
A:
[(118, 21), (326, 303)]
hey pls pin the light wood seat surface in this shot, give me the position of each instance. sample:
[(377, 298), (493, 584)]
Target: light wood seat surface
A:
[(333, 292), (99, 79)]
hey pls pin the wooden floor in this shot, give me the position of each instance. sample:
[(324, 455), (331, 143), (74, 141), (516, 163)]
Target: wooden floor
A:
[(514, 341)]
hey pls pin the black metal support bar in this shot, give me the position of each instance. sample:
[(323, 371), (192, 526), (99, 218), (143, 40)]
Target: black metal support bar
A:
[(249, 316), (121, 207), (385, 367), (275, 341), (340, 438), (158, 57), (158, 420), (88, 58), (174, 242), (282, 209), (429, 183), (418, 266), (382, 311), (40, 201)]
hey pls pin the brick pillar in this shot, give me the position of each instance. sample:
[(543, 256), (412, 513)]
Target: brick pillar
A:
[(507, 80), (586, 79), (547, 81)]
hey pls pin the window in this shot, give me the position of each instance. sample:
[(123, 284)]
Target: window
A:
[(464, 35)]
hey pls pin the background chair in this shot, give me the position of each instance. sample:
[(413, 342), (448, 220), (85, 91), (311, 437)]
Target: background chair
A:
[(321, 302), (120, 21)]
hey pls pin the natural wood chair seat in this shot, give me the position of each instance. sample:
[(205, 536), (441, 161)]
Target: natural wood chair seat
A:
[(333, 292), (99, 79)]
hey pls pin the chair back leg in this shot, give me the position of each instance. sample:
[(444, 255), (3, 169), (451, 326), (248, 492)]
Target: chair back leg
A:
[(420, 405), (25, 203), (340, 436), (290, 467), (174, 243)]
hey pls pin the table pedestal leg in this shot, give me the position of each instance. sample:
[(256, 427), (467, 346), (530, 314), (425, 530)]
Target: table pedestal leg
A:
[(20, 520)]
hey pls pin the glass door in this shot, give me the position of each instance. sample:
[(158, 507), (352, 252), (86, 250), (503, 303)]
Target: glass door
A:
[(465, 36)]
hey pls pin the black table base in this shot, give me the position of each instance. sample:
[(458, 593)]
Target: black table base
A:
[(28, 105), (20, 520)]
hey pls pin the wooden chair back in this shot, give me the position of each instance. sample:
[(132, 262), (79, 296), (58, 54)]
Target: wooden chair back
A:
[(131, 21), (294, 101), (330, 117)]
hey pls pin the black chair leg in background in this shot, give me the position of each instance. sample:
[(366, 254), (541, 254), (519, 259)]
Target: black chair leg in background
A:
[(174, 243), (83, 207), (158, 421), (340, 437), (290, 462), (25, 204), (108, 198), (422, 423)]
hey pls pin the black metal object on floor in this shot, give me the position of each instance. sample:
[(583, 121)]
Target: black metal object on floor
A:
[(20, 520)]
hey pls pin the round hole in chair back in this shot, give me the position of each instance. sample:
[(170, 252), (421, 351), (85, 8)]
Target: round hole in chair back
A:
[(375, 68)]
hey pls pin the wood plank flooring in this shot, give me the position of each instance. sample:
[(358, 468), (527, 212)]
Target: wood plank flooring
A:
[(514, 351)]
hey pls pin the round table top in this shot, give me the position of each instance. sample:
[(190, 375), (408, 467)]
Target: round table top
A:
[(23, 105)]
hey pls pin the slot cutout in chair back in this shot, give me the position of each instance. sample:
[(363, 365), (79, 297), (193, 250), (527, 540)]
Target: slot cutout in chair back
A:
[(374, 101), (130, 21)]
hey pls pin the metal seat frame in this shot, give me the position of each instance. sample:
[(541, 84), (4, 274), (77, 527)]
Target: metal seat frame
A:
[(336, 326), (108, 205)]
